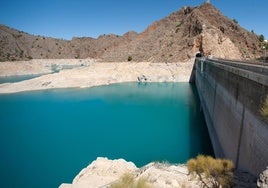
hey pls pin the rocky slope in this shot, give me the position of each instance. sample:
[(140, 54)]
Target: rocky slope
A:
[(172, 39), (103, 172)]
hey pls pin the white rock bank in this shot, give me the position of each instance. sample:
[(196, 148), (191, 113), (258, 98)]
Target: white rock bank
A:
[(90, 74), (103, 172)]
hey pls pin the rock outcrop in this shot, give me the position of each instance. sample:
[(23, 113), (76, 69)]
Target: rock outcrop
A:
[(103, 172), (174, 38), (263, 180)]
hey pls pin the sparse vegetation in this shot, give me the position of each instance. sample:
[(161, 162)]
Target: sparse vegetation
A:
[(261, 38), (178, 27), (129, 58), (20, 35), (211, 172), (128, 181), (235, 21), (179, 24), (264, 109), (170, 44), (21, 53)]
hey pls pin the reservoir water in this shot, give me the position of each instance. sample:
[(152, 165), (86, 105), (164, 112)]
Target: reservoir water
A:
[(47, 137), (12, 79)]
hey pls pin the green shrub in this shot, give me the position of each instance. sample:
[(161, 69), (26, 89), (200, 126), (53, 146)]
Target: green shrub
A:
[(129, 58), (235, 21), (211, 172), (179, 24), (127, 181), (178, 27), (261, 38), (264, 109), (21, 53)]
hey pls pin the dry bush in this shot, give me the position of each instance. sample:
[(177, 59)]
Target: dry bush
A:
[(264, 110), (142, 183), (128, 181), (212, 172)]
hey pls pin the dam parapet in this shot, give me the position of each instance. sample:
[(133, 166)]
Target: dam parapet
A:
[(232, 95)]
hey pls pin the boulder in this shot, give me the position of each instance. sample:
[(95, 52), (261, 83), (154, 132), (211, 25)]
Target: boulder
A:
[(263, 179)]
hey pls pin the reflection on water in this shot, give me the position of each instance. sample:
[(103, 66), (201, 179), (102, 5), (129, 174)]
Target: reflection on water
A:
[(47, 137)]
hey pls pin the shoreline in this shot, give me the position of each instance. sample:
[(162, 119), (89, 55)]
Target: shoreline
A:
[(103, 172), (87, 73)]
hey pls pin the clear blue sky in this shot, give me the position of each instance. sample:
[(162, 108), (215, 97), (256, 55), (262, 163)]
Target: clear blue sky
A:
[(68, 18)]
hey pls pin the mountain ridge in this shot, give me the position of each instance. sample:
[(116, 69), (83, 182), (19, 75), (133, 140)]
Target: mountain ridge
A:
[(176, 37)]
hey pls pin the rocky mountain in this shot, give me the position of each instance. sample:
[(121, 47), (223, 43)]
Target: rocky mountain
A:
[(172, 39)]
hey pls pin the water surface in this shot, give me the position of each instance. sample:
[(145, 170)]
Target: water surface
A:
[(47, 137), (13, 79)]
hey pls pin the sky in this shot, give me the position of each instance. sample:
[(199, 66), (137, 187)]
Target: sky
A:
[(77, 18)]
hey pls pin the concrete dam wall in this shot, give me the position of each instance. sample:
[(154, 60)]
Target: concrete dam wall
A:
[(232, 95)]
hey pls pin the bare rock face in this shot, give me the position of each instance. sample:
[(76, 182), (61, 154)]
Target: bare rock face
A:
[(103, 172), (174, 38), (218, 45), (263, 180)]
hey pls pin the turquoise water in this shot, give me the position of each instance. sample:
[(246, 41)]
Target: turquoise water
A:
[(47, 137), (12, 79)]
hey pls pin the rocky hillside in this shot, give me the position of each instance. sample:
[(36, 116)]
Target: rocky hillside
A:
[(172, 39)]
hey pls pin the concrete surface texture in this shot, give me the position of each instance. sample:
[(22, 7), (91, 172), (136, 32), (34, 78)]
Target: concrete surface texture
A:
[(232, 95)]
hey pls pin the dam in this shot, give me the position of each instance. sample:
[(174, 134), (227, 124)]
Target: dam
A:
[(232, 95)]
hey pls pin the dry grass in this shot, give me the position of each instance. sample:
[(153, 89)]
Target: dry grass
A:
[(212, 172), (264, 109), (128, 181)]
